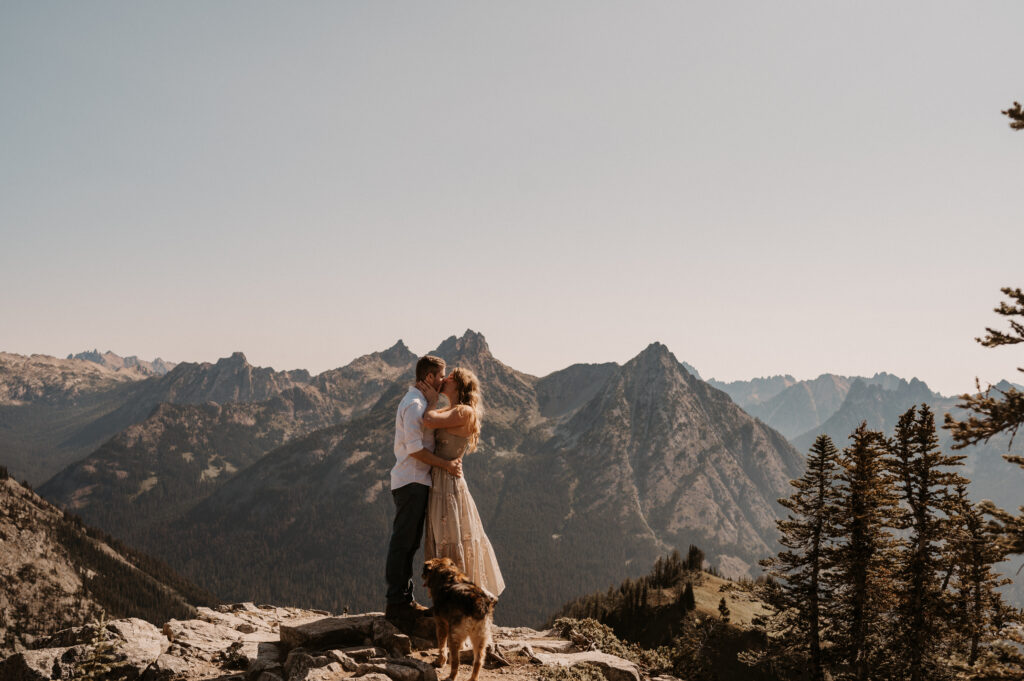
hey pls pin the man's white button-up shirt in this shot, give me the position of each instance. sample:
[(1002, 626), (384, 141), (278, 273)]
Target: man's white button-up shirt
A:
[(411, 436)]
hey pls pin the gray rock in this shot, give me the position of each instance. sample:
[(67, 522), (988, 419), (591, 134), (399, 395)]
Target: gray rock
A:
[(329, 632), (346, 662), (36, 665), (420, 643), (427, 671), (364, 653), (387, 635), (327, 673), (138, 641), (166, 667), (270, 675), (300, 661), (132, 643), (392, 671), (269, 656), (614, 668)]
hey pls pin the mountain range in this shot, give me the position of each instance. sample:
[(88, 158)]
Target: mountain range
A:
[(270, 485), (596, 468)]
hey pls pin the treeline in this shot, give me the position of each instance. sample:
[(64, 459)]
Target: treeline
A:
[(150, 590), (653, 620), (887, 571), (648, 609)]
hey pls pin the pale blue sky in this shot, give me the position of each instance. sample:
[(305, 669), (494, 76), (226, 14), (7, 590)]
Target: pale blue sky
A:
[(783, 187)]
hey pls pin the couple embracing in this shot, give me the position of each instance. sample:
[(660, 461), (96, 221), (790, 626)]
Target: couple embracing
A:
[(428, 487)]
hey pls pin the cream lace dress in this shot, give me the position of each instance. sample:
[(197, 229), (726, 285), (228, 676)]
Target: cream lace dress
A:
[(454, 529)]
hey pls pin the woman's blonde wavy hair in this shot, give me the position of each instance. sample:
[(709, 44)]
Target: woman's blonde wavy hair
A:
[(467, 389)]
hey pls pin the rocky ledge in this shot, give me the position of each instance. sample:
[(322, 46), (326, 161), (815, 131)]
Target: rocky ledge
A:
[(246, 642)]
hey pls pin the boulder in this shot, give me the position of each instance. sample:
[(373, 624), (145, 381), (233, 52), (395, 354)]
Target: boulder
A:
[(138, 641), (300, 661), (269, 656), (426, 670), (364, 653), (166, 667), (39, 665), (390, 670), (347, 663), (387, 636), (329, 632), (614, 668), (329, 672)]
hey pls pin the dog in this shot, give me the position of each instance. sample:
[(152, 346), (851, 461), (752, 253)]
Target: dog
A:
[(461, 609)]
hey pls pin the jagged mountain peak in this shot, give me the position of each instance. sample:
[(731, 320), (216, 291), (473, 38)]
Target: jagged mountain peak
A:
[(654, 353), (398, 354), (658, 353), (112, 360), (237, 358), (656, 358), (471, 345)]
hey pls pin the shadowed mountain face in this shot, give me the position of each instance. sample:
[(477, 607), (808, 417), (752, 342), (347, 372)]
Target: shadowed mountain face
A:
[(572, 501)]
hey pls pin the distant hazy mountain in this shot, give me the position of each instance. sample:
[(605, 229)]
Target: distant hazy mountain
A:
[(157, 367), (56, 573), (573, 496), (755, 391), (794, 407), (45, 403)]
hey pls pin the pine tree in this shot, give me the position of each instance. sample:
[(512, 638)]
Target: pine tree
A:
[(723, 611), (1016, 116), (808, 532), (694, 559), (924, 490), (863, 581), (994, 411), (687, 600), (977, 604)]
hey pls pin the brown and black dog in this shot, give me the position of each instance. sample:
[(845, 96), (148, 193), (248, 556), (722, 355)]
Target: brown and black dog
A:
[(461, 609)]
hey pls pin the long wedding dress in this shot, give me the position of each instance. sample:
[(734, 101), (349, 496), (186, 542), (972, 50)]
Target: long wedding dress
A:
[(454, 529)]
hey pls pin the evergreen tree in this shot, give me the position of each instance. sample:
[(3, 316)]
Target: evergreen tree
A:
[(687, 600), (1016, 116), (994, 411), (863, 581), (807, 533), (694, 559), (924, 490), (723, 611)]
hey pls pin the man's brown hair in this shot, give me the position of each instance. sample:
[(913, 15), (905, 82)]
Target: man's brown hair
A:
[(428, 365)]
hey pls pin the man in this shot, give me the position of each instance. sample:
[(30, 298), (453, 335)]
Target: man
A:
[(410, 485)]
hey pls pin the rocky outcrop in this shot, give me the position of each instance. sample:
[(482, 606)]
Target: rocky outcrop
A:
[(268, 643)]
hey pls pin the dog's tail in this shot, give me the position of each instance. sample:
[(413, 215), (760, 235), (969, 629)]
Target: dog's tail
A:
[(483, 604)]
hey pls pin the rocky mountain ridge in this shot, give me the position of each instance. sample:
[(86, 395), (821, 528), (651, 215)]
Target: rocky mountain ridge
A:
[(111, 360), (269, 643), (54, 571), (654, 459)]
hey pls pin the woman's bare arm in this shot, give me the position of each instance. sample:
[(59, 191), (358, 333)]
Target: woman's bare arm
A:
[(447, 418)]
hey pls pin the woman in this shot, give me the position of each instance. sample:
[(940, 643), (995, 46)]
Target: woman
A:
[(453, 524)]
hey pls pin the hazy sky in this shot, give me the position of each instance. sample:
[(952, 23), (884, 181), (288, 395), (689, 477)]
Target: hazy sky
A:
[(765, 187)]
